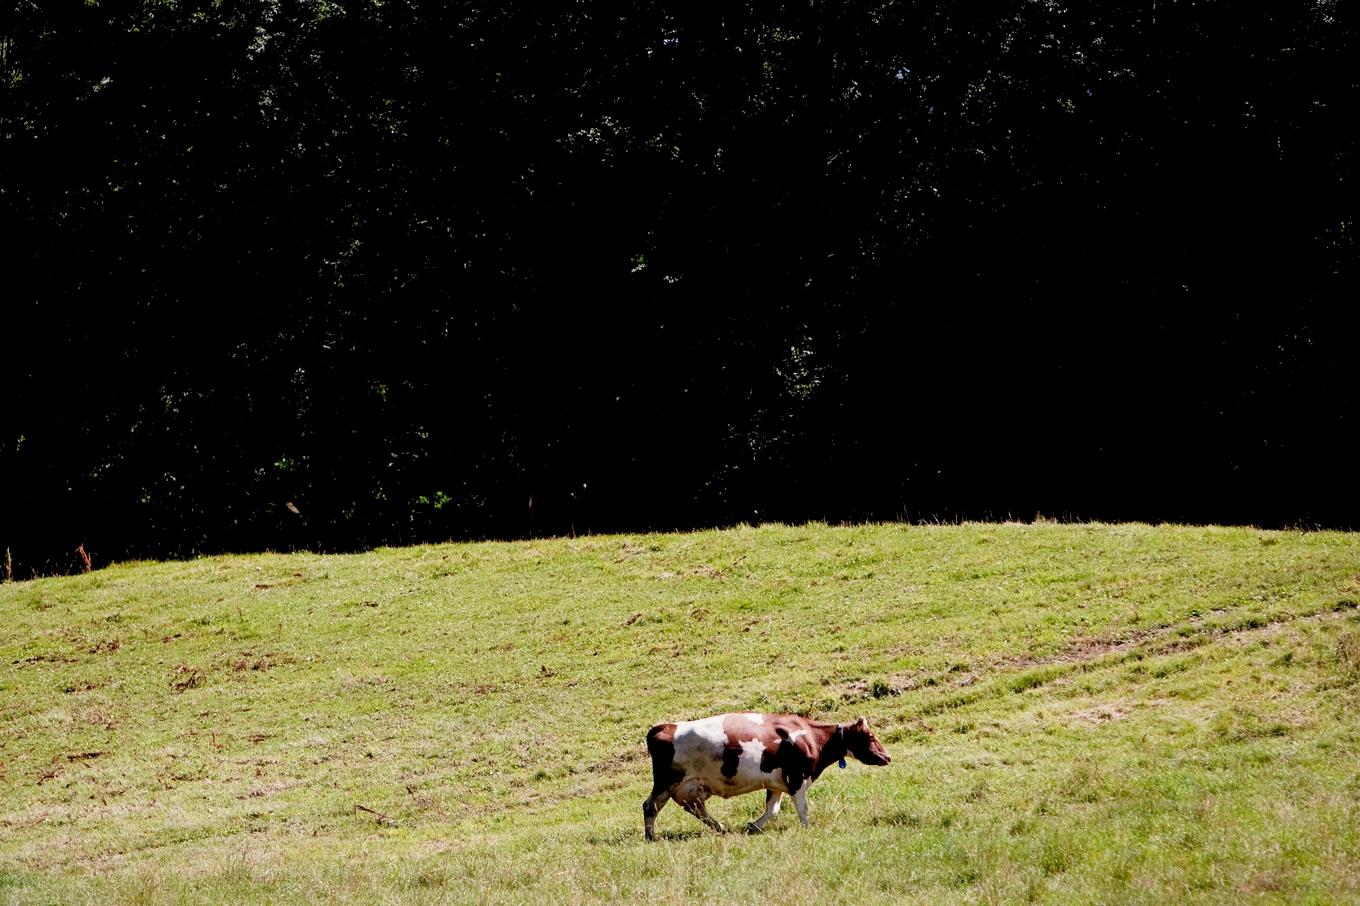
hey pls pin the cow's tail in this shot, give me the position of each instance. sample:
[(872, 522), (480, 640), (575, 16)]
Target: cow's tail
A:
[(661, 747)]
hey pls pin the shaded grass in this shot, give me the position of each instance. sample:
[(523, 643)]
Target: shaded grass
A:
[(1088, 713)]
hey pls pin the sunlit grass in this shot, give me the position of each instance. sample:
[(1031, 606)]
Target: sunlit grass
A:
[(1077, 713)]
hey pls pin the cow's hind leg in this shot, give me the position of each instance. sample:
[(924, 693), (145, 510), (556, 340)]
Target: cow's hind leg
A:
[(772, 800), (697, 808), (661, 747), (650, 806), (691, 795)]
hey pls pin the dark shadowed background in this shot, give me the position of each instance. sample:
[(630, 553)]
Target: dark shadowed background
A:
[(421, 270)]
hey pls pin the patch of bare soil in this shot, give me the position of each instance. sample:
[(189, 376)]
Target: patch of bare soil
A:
[(253, 660), (186, 677), (1101, 714)]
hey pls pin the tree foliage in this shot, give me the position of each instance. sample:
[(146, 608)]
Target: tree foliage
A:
[(335, 274)]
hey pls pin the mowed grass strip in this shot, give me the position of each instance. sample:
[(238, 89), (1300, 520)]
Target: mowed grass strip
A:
[(1077, 713)]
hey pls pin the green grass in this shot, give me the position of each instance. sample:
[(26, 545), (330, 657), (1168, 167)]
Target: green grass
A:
[(1076, 713)]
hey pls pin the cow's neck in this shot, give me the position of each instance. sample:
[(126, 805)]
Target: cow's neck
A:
[(833, 746)]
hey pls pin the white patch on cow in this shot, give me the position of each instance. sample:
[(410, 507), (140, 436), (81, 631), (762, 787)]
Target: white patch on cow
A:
[(700, 736), (756, 718), (749, 776), (797, 735), (699, 749)]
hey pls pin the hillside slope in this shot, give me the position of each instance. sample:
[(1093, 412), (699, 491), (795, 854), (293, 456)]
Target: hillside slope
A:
[(1112, 713)]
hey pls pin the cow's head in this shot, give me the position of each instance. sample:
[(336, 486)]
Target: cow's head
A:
[(864, 745)]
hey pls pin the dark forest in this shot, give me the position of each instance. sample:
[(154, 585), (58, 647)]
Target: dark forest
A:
[(330, 275)]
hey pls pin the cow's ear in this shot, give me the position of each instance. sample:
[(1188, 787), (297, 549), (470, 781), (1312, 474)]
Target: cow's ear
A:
[(862, 723)]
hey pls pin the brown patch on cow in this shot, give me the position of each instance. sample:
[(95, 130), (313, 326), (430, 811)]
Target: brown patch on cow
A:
[(798, 747), (740, 728)]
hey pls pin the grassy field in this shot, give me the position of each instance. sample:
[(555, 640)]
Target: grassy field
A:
[(1089, 713)]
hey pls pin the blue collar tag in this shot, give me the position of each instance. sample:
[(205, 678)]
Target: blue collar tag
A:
[(842, 764)]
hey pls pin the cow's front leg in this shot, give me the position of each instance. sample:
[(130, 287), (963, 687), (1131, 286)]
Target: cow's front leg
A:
[(800, 801), (772, 800)]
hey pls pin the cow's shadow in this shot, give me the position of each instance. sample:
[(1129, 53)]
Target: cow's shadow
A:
[(628, 837), (774, 827), (622, 838), (677, 835)]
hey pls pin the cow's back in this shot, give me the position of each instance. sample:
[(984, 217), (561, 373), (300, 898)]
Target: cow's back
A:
[(729, 754), (699, 743)]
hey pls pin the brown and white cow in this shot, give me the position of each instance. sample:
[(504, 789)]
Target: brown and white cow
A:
[(732, 754)]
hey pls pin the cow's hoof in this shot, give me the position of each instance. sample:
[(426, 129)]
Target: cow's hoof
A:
[(754, 828)]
